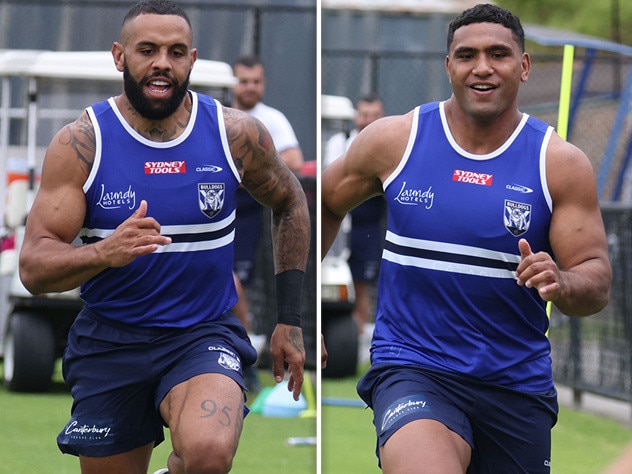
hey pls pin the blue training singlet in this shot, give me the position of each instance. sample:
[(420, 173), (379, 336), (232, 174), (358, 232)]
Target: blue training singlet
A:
[(189, 184), (448, 297)]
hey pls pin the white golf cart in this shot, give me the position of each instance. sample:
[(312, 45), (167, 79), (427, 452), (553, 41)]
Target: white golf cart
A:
[(337, 293), (35, 327)]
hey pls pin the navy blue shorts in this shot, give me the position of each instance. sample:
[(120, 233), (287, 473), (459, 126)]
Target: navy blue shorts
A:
[(118, 375), (509, 431)]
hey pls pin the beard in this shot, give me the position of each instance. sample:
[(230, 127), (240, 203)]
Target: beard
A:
[(153, 109), (247, 102)]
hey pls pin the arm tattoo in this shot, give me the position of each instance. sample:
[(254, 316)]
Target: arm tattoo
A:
[(250, 146), (80, 137), (264, 171), (296, 339), (266, 177), (265, 140), (291, 230)]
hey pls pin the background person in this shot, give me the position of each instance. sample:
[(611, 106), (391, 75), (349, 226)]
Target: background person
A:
[(485, 226), (248, 95), (367, 236), (156, 342)]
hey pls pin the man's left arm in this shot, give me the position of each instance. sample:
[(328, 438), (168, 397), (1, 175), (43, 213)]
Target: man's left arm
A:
[(268, 179), (578, 282), (293, 158)]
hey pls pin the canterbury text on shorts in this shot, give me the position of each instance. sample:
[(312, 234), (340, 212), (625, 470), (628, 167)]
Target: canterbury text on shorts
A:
[(119, 374), (509, 431)]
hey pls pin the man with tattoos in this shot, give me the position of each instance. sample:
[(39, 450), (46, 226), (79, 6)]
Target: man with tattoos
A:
[(146, 180)]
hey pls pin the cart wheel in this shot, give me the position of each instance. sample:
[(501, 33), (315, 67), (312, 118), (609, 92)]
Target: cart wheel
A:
[(29, 353), (341, 339)]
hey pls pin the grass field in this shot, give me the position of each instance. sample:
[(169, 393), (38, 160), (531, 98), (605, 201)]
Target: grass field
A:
[(582, 443), (29, 424)]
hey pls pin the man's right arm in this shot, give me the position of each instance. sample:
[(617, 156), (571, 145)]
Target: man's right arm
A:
[(58, 211), (293, 158), (334, 148), (358, 175), (48, 260)]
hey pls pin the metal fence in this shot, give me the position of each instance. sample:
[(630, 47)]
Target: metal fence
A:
[(281, 32), (406, 79), (594, 354)]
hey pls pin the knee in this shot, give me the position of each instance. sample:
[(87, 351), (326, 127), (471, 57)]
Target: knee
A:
[(206, 459), (208, 465)]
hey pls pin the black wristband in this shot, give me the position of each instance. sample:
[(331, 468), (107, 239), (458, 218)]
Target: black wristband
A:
[(289, 285)]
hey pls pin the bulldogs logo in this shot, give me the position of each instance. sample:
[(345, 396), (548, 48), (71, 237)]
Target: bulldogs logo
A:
[(517, 217), (211, 198)]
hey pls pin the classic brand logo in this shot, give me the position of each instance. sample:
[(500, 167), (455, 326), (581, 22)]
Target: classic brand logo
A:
[(208, 169), (519, 188), (415, 197), (117, 199), (165, 167), (471, 177), (517, 217), (211, 198)]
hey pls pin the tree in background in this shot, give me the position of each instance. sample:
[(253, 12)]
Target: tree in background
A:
[(602, 18)]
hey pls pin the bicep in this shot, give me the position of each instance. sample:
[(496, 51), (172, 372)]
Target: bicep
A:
[(57, 214), (264, 174), (372, 156), (342, 188), (353, 178), (577, 232), (59, 207)]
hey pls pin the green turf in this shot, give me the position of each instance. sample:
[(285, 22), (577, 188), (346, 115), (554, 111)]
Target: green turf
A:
[(29, 424), (582, 443)]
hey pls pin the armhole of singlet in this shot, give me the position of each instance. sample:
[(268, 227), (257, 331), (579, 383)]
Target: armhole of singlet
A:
[(97, 150), (224, 138), (409, 147), (543, 180)]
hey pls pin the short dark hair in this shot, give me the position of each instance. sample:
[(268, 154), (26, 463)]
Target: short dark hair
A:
[(487, 13), (156, 7), (248, 61)]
